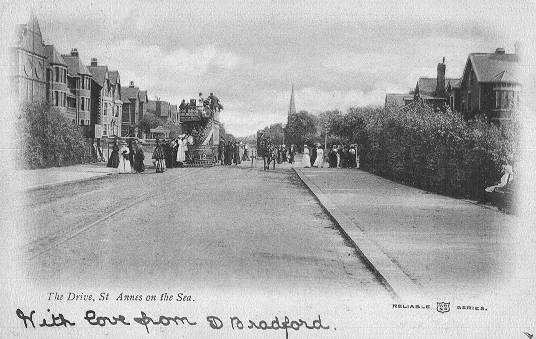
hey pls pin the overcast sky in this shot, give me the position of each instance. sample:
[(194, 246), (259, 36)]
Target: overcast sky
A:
[(336, 53)]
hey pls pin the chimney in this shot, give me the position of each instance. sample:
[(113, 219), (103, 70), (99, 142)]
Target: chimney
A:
[(440, 86), (74, 52), (131, 84), (93, 61), (500, 50)]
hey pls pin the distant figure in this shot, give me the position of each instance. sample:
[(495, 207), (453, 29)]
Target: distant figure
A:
[(200, 101), (313, 155), (139, 166), (113, 161), (352, 159), (181, 149), (306, 161), (319, 162), (158, 156), (183, 107), (291, 154), (131, 153), (124, 163), (236, 154), (332, 157)]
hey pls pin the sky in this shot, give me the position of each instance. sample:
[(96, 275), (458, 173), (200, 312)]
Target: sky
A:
[(337, 54)]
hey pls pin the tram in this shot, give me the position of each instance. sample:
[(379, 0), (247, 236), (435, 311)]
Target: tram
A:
[(202, 125)]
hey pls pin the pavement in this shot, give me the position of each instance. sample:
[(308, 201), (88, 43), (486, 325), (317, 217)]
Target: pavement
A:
[(417, 242), (27, 180)]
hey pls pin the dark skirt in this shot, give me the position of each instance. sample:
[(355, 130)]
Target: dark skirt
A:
[(114, 160)]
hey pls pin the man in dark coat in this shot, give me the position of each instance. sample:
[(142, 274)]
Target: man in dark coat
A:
[(158, 156), (236, 154), (332, 157), (313, 155), (139, 166)]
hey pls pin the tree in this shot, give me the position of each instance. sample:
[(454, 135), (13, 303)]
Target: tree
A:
[(147, 122), (301, 128)]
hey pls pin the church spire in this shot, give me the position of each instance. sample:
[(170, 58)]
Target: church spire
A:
[(292, 106)]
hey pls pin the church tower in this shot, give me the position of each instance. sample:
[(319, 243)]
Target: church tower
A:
[(292, 105)]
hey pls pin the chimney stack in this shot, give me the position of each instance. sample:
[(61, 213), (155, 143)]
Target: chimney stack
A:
[(131, 84), (74, 52), (93, 61), (440, 86)]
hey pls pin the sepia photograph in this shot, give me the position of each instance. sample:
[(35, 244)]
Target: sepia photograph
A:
[(268, 169)]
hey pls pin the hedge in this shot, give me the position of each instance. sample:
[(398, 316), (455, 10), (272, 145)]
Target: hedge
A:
[(48, 138), (434, 150)]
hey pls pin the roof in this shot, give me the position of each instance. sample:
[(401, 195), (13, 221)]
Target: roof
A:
[(53, 57), (143, 96), (129, 93), (29, 37), (427, 86), (113, 76), (394, 99), (495, 67), (75, 65), (99, 73)]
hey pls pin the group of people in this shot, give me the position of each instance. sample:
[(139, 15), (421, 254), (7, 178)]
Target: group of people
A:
[(232, 152), (337, 156), (128, 157), (211, 102)]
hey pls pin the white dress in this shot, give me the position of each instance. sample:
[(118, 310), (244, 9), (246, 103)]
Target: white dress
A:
[(319, 162), (181, 150), (306, 160), (124, 164)]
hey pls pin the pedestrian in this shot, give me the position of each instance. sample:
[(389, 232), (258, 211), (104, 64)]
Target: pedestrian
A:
[(352, 160), (306, 161), (181, 149), (158, 156), (236, 154), (332, 157), (124, 163), (345, 157), (131, 153), (319, 162), (113, 161), (174, 148), (313, 155), (291, 154), (139, 156)]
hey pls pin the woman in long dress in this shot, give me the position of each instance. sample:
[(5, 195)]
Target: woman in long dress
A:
[(319, 162), (124, 162), (138, 159), (181, 150), (114, 157), (306, 160)]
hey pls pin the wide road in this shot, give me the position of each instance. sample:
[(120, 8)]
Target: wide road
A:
[(221, 226)]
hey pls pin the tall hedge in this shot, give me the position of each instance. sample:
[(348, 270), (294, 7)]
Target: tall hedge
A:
[(431, 149), (47, 138)]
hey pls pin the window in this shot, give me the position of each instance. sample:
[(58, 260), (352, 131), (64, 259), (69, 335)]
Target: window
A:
[(105, 108), (81, 122), (56, 99), (82, 104), (57, 73)]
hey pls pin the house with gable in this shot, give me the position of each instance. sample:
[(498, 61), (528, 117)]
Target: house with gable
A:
[(490, 85), (130, 96), (104, 107), (79, 81), (28, 63)]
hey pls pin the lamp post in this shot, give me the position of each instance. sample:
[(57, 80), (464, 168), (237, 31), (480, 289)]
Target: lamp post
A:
[(325, 135)]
